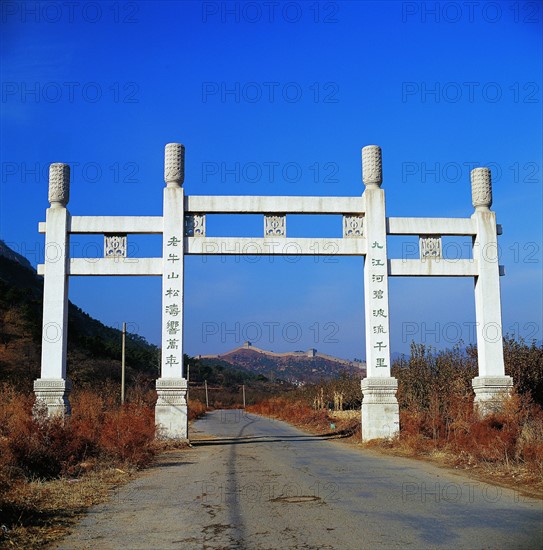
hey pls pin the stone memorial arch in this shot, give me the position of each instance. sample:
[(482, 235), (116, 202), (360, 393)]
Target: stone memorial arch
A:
[(183, 230)]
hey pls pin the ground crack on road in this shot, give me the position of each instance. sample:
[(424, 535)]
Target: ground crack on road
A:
[(296, 499)]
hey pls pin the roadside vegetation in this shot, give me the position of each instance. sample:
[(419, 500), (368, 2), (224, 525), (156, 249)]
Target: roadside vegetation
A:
[(51, 470), (437, 418)]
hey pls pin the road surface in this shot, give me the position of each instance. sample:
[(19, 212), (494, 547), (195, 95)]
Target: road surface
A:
[(255, 483)]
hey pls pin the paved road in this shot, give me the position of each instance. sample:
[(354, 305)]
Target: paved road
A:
[(261, 484)]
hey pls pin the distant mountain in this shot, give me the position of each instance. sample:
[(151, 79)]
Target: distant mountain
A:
[(7, 252), (295, 367)]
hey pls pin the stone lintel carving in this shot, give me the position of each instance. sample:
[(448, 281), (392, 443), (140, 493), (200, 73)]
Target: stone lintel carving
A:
[(52, 397), (492, 384), (379, 390), (481, 188), (430, 247), (171, 414), (372, 170), (171, 383), (171, 391), (115, 246), (353, 226), (275, 225), (174, 164), (59, 184), (489, 392), (195, 225)]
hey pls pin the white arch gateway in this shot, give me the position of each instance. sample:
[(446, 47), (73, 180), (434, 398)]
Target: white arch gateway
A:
[(183, 230)]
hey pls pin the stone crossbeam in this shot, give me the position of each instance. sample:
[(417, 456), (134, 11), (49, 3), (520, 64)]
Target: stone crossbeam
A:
[(431, 226), (138, 267), (432, 268), (143, 225), (275, 247), (225, 204)]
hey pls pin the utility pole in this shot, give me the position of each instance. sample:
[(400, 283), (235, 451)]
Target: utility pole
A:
[(207, 397), (123, 358), (243, 387)]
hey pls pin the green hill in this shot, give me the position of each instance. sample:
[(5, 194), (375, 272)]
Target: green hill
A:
[(94, 350)]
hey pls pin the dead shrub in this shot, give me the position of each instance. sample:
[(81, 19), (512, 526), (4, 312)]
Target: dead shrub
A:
[(128, 433), (45, 448), (293, 411), (196, 409), (437, 414)]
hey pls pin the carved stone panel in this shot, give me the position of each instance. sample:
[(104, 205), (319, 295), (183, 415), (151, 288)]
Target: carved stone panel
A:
[(195, 225), (275, 226), (52, 396), (115, 246), (172, 391), (430, 247), (353, 226)]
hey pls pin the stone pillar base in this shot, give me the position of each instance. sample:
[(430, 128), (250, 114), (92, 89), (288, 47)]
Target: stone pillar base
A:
[(52, 397), (380, 410), (489, 391), (171, 415)]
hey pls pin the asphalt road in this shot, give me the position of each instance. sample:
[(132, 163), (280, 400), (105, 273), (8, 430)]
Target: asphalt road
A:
[(254, 483)]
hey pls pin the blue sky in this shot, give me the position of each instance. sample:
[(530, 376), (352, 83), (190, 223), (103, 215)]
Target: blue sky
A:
[(299, 89)]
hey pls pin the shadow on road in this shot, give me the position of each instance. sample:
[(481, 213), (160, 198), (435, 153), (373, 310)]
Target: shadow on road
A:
[(169, 464), (241, 440)]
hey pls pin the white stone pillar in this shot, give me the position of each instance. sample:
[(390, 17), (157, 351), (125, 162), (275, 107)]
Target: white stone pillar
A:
[(171, 408), (491, 381), (380, 412), (52, 388)]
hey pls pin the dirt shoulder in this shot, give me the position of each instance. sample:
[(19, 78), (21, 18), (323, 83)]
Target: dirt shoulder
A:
[(44, 511), (40, 513)]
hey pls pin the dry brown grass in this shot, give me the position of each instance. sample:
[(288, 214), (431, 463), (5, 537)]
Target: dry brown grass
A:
[(506, 446), (36, 513), (196, 409), (302, 415), (51, 470)]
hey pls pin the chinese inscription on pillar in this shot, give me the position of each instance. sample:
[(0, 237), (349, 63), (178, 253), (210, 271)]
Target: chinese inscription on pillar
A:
[(379, 304), (172, 304)]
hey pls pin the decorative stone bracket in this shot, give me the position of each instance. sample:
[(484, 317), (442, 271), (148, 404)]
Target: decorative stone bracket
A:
[(195, 225), (353, 226), (115, 246), (275, 226), (430, 247)]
